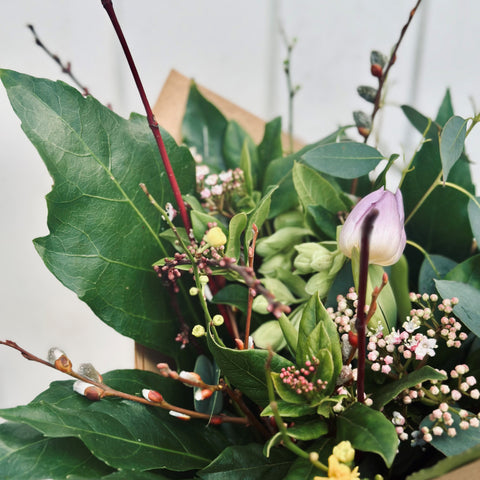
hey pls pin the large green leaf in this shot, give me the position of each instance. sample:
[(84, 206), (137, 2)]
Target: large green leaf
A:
[(247, 462), (25, 454), (270, 147), (103, 231), (122, 434), (343, 159), (204, 128), (245, 368), (369, 431)]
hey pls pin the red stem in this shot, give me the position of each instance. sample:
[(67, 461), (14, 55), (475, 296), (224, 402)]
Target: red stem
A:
[(360, 323), (107, 4)]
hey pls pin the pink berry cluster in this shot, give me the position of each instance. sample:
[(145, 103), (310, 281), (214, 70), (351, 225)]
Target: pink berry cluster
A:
[(301, 380), (345, 315)]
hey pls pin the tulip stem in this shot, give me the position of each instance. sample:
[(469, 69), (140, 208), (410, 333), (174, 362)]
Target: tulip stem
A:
[(425, 253), (360, 324)]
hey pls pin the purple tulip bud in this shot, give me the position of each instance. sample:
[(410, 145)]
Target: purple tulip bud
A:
[(388, 238)]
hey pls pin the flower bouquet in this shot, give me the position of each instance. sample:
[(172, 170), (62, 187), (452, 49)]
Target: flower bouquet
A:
[(312, 323)]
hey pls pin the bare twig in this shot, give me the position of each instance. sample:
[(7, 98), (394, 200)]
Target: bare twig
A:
[(106, 391), (107, 4), (65, 67), (393, 57)]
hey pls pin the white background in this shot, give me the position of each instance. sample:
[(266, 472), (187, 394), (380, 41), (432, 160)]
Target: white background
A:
[(235, 49)]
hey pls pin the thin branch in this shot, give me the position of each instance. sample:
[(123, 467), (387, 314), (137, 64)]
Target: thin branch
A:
[(107, 391), (65, 67), (251, 254), (107, 4), (393, 57)]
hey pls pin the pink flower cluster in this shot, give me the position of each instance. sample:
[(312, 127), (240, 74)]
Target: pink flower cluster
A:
[(217, 189), (299, 379)]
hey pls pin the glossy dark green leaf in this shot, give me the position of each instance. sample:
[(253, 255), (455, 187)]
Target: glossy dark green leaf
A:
[(426, 126), (246, 368), (466, 272), (441, 225), (427, 275), (343, 159), (25, 454), (308, 430), (103, 231), (236, 228), (287, 409), (389, 391), (270, 147), (446, 109), (462, 441), (235, 140), (286, 393), (246, 166), (243, 462), (468, 305), (125, 475), (452, 141), (204, 128), (233, 294), (322, 221), (369, 431), (122, 434), (259, 214)]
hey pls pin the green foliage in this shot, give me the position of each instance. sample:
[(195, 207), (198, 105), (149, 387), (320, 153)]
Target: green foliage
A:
[(369, 431), (106, 237), (103, 231)]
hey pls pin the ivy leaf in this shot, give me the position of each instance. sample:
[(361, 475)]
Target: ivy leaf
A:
[(452, 141), (103, 231), (242, 462), (204, 128), (25, 454), (122, 434), (245, 367), (343, 159), (369, 431)]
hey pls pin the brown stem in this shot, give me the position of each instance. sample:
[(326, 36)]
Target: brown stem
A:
[(251, 254), (111, 392), (393, 57), (66, 67), (107, 4), (360, 323)]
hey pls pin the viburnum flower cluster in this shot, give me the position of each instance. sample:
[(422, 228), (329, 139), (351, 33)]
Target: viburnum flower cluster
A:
[(218, 190), (301, 380)]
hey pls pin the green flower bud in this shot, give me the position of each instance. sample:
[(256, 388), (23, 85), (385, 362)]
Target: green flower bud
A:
[(312, 257), (367, 93), (281, 240), (198, 331), (217, 320)]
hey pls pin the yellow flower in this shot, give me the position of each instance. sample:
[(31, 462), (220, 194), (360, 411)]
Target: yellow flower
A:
[(344, 452), (215, 237), (339, 471)]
